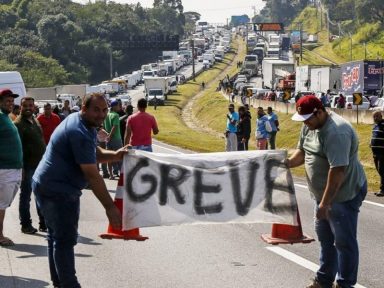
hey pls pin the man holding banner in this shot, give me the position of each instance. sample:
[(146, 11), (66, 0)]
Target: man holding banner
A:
[(69, 163), (328, 146)]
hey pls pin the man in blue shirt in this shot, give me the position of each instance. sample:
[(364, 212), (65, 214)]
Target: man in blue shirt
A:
[(69, 163), (274, 121), (230, 133)]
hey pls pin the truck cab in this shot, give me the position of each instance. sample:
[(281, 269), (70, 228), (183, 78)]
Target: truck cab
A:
[(155, 96)]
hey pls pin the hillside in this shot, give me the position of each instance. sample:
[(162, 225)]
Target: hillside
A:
[(367, 40)]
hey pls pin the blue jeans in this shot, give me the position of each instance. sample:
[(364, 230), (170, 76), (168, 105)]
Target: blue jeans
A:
[(62, 217), (114, 145), (25, 199), (339, 251), (147, 148)]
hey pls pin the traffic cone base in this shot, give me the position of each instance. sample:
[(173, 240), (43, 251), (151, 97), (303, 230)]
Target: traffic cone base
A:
[(133, 234), (286, 234)]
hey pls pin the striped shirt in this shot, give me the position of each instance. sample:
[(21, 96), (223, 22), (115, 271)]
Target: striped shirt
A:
[(377, 140)]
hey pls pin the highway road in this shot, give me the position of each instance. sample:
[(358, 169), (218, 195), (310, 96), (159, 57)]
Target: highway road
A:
[(190, 256)]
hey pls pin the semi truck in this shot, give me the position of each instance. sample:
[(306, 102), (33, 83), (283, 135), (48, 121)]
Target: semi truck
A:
[(364, 76), (325, 78), (273, 70)]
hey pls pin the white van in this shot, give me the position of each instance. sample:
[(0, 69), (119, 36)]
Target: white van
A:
[(13, 80)]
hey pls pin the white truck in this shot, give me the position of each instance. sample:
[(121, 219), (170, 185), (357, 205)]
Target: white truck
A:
[(156, 89), (210, 57), (303, 77), (251, 65), (169, 55), (325, 78), (271, 69), (174, 65), (13, 80)]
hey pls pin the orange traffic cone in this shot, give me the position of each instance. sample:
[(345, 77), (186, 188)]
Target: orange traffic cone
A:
[(287, 234), (133, 234)]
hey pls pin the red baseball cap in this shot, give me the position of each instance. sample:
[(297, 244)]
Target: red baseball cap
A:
[(305, 107), (7, 93)]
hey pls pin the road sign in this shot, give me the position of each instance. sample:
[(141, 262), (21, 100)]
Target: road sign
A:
[(287, 95), (268, 27), (249, 92), (357, 98)]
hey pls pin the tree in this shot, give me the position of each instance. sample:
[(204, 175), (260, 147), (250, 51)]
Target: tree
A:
[(370, 11)]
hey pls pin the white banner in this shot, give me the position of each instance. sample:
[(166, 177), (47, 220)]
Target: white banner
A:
[(230, 187)]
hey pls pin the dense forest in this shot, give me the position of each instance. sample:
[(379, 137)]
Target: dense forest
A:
[(58, 41)]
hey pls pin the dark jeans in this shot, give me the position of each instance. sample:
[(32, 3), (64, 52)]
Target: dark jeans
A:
[(25, 199), (104, 167), (62, 217), (272, 140), (242, 146), (339, 253), (379, 164)]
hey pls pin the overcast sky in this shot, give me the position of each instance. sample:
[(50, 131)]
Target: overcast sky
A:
[(213, 11)]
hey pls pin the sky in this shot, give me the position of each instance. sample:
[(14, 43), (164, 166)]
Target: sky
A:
[(212, 11)]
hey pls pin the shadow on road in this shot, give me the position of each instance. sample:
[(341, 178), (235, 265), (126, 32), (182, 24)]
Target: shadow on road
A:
[(20, 282), (31, 250), (87, 241)]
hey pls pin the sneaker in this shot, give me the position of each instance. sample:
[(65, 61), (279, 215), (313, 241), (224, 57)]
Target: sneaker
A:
[(379, 194), (106, 176), (28, 229)]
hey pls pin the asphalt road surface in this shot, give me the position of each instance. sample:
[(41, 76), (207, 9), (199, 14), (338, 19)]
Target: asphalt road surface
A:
[(190, 256)]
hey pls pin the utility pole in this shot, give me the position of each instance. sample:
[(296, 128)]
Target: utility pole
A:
[(365, 50), (110, 63), (301, 41), (329, 32), (193, 59)]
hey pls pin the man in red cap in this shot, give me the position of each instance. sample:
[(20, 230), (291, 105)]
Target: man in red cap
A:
[(328, 146), (11, 159)]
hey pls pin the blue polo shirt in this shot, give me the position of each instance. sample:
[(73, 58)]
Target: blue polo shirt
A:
[(72, 144)]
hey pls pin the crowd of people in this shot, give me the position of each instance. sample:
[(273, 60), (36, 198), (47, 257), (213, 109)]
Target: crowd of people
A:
[(239, 128)]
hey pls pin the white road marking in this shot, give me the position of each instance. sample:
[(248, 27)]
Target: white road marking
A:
[(169, 149), (365, 201), (374, 203), (298, 260)]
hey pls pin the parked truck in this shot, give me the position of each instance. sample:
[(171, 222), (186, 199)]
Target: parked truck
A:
[(272, 69), (251, 65), (152, 85), (325, 78), (303, 77), (364, 76)]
